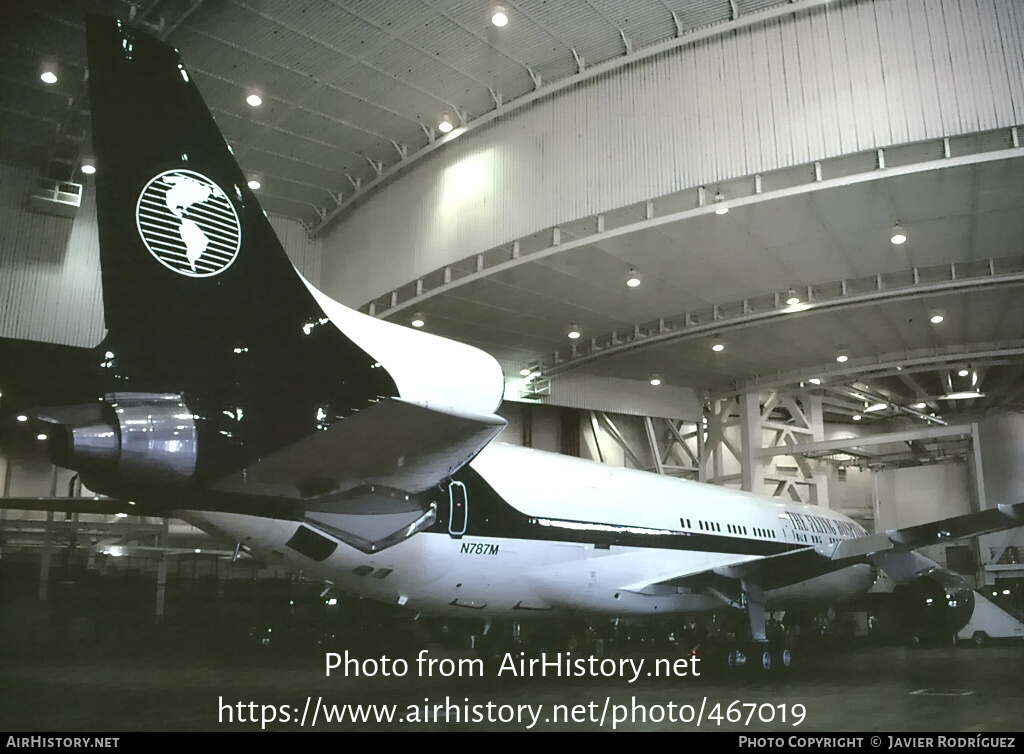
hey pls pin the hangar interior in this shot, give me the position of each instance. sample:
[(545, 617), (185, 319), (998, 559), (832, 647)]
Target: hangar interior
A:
[(776, 246)]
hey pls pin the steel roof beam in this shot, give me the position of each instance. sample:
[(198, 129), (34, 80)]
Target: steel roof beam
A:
[(545, 90), (930, 433), (654, 220)]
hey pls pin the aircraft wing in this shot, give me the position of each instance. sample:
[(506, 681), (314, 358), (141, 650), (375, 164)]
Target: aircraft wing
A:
[(892, 551), (403, 446)]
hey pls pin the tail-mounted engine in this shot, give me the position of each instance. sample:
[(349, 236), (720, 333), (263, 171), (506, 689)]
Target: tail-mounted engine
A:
[(127, 437)]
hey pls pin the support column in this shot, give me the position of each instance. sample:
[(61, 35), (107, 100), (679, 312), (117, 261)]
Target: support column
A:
[(752, 470), (161, 573), (798, 418), (719, 450), (44, 566)]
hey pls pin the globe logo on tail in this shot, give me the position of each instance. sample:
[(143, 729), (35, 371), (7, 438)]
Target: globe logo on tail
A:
[(188, 223)]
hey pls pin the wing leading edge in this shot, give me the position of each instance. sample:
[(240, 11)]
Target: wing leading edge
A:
[(892, 551)]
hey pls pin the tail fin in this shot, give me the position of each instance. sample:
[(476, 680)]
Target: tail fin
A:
[(178, 223), (200, 298)]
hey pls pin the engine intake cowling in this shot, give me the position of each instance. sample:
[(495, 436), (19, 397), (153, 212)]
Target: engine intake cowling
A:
[(935, 605), (127, 436)]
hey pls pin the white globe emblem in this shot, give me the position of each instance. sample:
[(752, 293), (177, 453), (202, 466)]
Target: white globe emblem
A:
[(188, 223)]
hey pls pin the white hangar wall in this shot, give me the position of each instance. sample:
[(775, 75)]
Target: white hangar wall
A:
[(50, 265), (842, 78)]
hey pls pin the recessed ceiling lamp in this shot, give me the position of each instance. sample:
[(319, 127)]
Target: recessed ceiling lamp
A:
[(88, 165), (22, 418), (793, 299), (574, 332), (842, 358), (524, 372), (717, 347), (445, 126), (920, 405), (634, 278), (48, 77), (857, 417), (963, 395), (814, 381), (254, 184), (417, 320), (936, 319), (898, 236), (655, 380), (254, 100), (722, 207), (499, 18), (963, 372), (40, 437)]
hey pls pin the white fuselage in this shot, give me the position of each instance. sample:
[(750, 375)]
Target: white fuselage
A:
[(435, 573)]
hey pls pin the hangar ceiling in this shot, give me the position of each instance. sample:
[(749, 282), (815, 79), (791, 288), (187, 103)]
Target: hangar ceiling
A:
[(347, 86)]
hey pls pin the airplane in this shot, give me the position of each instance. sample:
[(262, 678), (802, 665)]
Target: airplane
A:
[(362, 453)]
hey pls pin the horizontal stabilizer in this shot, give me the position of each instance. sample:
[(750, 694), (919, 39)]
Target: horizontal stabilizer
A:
[(394, 444)]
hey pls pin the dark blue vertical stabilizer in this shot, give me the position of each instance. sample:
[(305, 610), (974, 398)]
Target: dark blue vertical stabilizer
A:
[(200, 298)]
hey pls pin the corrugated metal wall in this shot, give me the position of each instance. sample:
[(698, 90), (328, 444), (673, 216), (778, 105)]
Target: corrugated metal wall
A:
[(846, 77), (50, 266)]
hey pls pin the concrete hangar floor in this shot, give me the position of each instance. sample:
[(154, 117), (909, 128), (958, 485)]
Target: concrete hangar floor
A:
[(248, 655)]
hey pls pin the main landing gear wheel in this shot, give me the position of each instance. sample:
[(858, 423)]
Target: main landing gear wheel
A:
[(737, 659), (782, 658), (761, 657)]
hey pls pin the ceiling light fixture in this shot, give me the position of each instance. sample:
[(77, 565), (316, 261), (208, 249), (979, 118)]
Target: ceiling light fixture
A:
[(719, 200), (920, 405), (634, 278), (574, 332), (254, 100), (40, 437), (857, 417), (936, 319), (417, 320), (445, 126), (717, 347), (842, 358), (22, 418), (88, 165), (499, 18), (524, 372), (254, 184), (962, 395), (48, 77), (814, 381), (655, 380), (898, 236), (793, 299), (963, 372)]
